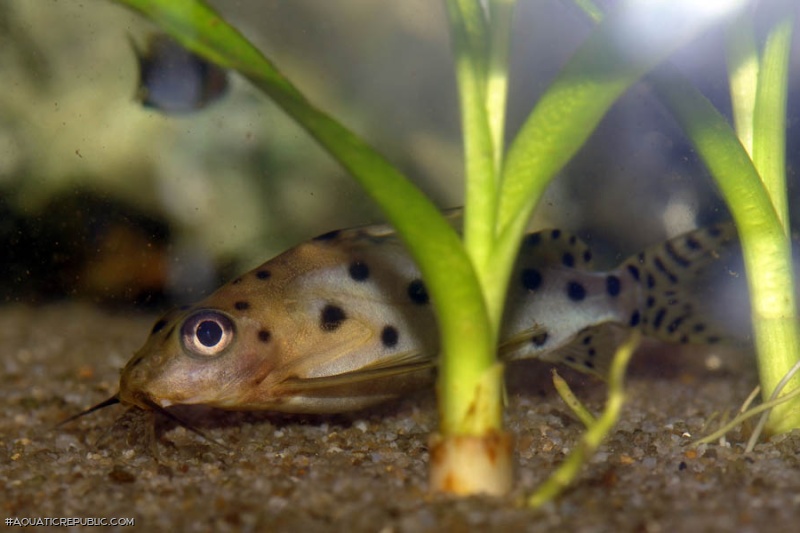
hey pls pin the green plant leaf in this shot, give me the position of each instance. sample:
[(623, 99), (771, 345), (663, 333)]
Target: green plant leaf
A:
[(769, 120)]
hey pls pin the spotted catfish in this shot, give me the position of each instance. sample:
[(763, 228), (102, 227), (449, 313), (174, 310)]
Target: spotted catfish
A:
[(344, 321)]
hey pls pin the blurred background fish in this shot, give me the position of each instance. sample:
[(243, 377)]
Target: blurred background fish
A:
[(174, 80)]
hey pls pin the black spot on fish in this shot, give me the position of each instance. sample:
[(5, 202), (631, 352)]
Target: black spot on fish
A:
[(242, 305), (587, 340), (331, 317), (158, 326), (675, 256), (575, 291), (613, 285), (540, 339), (663, 269), (555, 234), (263, 274), (635, 318), (568, 260), (587, 256), (634, 271), (570, 359), (699, 328), (389, 336), (693, 244), (417, 292), (531, 279), (651, 281), (264, 335), (572, 240), (331, 235), (359, 271), (675, 324), (714, 231), (651, 301), (592, 352), (659, 318), (588, 364), (533, 239)]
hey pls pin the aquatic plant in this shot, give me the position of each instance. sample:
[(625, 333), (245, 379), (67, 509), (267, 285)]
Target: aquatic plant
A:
[(467, 280), (748, 165)]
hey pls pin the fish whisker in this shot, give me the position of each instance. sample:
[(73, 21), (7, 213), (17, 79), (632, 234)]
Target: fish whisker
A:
[(183, 423), (105, 403)]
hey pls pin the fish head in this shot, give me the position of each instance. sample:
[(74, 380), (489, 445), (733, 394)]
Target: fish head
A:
[(204, 355)]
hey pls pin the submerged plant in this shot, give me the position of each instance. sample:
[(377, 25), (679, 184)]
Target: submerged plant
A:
[(748, 165), (467, 280)]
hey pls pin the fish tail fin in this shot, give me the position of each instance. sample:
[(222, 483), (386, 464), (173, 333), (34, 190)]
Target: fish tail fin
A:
[(683, 296)]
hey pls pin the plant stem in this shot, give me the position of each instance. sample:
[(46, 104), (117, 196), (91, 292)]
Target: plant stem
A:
[(462, 380), (470, 42)]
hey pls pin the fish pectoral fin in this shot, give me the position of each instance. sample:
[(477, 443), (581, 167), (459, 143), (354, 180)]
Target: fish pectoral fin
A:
[(518, 346), (397, 365), (591, 350), (399, 360)]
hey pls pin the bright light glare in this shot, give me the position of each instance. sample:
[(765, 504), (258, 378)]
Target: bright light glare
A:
[(705, 8), (649, 23)]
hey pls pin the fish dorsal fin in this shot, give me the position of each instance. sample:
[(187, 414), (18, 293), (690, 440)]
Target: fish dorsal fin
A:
[(676, 277), (553, 247)]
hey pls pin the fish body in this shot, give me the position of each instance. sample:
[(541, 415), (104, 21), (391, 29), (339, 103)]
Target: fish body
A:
[(344, 321), (172, 79)]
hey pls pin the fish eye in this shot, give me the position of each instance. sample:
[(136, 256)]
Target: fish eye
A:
[(207, 333)]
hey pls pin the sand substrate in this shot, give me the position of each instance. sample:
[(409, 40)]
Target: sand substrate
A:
[(367, 471)]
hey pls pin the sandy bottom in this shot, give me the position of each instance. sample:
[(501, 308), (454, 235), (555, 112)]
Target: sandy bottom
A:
[(367, 472)]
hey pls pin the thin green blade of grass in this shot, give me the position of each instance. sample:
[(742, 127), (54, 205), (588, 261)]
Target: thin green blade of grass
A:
[(769, 120), (572, 401), (741, 54), (597, 430), (470, 44), (481, 44), (433, 243), (501, 15)]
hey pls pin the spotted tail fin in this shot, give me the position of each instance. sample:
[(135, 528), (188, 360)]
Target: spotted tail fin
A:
[(691, 286)]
